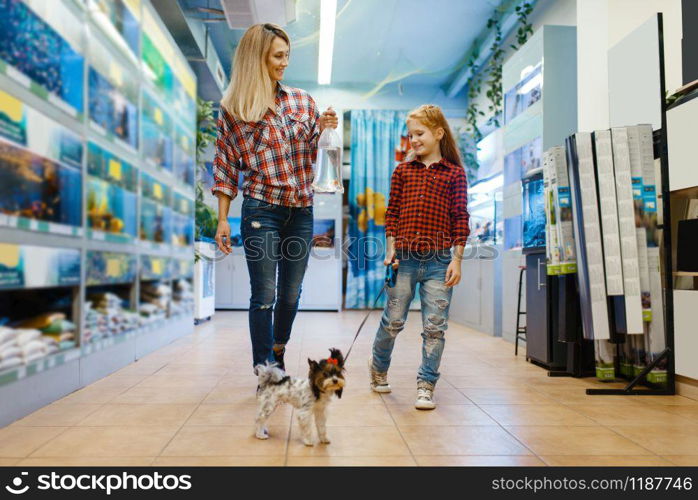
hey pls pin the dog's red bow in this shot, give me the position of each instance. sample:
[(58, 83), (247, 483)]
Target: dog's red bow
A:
[(333, 361)]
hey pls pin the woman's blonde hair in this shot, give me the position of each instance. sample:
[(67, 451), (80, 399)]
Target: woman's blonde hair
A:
[(250, 92), (432, 117)]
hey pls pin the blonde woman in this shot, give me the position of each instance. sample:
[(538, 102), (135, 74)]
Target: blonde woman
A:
[(268, 132)]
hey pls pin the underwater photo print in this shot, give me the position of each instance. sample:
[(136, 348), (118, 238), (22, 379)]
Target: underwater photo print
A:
[(27, 266), (182, 220), (123, 16), (533, 212), (184, 154), (156, 214), (111, 193), (40, 166), (157, 133), (37, 51)]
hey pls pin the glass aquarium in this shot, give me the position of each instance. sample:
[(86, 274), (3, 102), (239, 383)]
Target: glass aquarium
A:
[(157, 145), (36, 187), (323, 233), (533, 212), (524, 94), (156, 213), (43, 45), (182, 220), (111, 193), (484, 207)]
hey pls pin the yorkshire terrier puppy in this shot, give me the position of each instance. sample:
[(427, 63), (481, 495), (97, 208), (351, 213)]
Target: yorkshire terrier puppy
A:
[(310, 396)]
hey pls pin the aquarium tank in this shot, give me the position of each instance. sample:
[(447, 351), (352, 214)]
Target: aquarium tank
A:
[(533, 212)]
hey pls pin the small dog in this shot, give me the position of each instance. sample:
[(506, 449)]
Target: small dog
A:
[(310, 396)]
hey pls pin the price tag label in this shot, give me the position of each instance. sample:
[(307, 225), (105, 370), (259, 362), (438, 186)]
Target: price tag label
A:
[(159, 119), (157, 266), (115, 169), (113, 268), (157, 190), (116, 74)]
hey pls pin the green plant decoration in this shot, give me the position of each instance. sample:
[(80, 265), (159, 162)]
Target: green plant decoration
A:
[(494, 91), (206, 220), (492, 77), (472, 114), (525, 29)]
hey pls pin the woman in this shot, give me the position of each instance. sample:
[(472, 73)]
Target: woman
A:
[(269, 132)]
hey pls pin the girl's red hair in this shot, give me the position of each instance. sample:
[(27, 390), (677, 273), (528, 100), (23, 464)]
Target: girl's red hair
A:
[(433, 118)]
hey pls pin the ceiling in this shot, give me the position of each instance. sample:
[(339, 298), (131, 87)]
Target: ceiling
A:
[(415, 42)]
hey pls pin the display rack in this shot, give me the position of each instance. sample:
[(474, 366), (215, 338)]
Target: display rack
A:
[(79, 146), (540, 110)]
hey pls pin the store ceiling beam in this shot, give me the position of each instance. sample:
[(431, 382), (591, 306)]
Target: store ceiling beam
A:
[(193, 39), (483, 42)]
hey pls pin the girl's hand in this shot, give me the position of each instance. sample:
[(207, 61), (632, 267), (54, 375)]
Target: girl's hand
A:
[(390, 258), (453, 273), (328, 119), (223, 237)]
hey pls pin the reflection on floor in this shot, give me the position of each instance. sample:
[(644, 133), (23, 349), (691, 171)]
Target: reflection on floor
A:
[(193, 403)]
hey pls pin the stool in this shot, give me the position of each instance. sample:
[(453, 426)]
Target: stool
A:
[(520, 330)]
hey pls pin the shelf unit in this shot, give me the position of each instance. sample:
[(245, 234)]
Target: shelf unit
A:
[(540, 110), (683, 186), (110, 146)]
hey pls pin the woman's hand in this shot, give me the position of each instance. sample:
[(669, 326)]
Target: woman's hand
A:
[(453, 273), (223, 237), (328, 119)]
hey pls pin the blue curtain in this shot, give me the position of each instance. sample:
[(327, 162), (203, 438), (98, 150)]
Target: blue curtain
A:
[(375, 137)]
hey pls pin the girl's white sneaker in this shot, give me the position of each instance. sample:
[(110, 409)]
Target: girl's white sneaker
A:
[(425, 396), (379, 381)]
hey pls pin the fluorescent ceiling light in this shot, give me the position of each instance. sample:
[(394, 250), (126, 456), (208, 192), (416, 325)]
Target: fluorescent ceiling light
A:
[(328, 14)]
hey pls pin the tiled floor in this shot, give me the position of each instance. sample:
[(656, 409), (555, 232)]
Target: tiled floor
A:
[(193, 403)]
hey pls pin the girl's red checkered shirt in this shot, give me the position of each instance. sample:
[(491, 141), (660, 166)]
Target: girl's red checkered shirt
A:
[(275, 154), (427, 209)]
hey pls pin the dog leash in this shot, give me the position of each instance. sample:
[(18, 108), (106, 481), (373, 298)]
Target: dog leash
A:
[(390, 280)]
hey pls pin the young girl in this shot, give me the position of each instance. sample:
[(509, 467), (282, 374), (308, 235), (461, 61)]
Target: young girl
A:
[(426, 218)]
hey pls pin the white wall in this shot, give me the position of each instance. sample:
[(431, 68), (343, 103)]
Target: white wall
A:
[(602, 24), (592, 65), (556, 12)]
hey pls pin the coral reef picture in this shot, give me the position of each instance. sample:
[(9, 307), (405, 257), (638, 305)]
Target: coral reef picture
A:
[(156, 222), (34, 266), (111, 192), (122, 19), (35, 49), (110, 267), (157, 133), (182, 220), (184, 166), (323, 233), (110, 208), (112, 110), (182, 230), (38, 188)]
